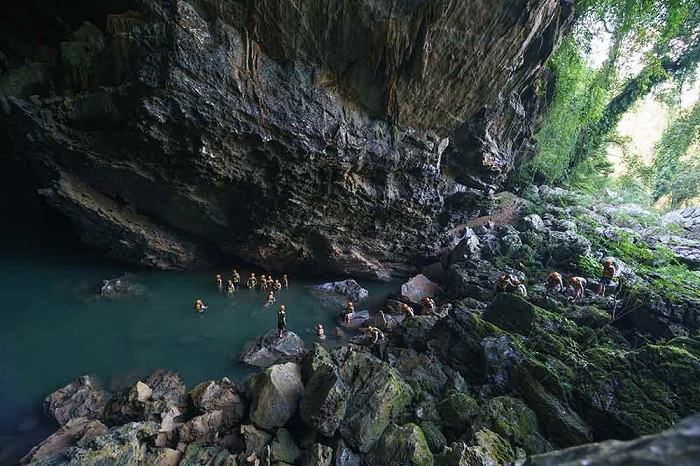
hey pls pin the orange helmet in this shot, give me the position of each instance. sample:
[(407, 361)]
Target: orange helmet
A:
[(350, 303), (282, 308), (198, 301), (218, 276), (608, 261), (405, 306), (573, 280)]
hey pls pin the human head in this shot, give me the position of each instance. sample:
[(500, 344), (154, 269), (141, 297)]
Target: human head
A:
[(319, 326), (405, 306), (199, 301), (350, 304), (218, 276), (608, 262), (572, 280), (282, 308), (284, 276), (369, 328)]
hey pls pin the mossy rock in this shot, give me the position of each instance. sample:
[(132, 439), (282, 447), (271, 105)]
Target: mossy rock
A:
[(511, 313), (317, 357), (457, 410), (403, 445), (434, 436), (513, 420)]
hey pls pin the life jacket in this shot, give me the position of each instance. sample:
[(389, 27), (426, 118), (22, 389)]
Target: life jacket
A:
[(281, 318), (608, 272), (236, 278)]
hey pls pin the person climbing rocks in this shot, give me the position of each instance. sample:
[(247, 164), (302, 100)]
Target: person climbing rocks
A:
[(349, 312), (263, 282), (285, 281), (252, 281), (608, 274), (281, 321), (319, 332), (407, 311), (229, 287), (277, 286), (375, 334), (554, 282), (428, 306), (199, 306), (504, 284), (579, 285), (519, 288), (236, 279), (271, 298), (219, 282)]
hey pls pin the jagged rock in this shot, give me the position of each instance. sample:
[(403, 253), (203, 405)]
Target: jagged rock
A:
[(162, 457), (419, 287), (204, 428), (317, 357), (514, 421), (126, 405), (348, 288), (76, 432), (457, 410), (433, 436), (470, 280), (318, 455), (533, 222), (414, 332), (222, 395), (510, 242), (401, 445), (423, 371), (344, 456), (435, 272), (325, 400), (283, 449), (490, 450), (678, 445), (255, 441), (469, 247), (511, 313), (197, 454), (168, 387), (271, 349), (565, 246), (275, 395), (77, 399)]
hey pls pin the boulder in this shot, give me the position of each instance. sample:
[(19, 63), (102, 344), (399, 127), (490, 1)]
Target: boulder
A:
[(78, 399), (255, 440), (565, 247), (204, 428), (414, 332), (270, 349), (325, 400), (489, 450), (378, 394), (433, 436), (168, 387), (468, 248), (221, 396), (318, 455), (512, 313), (419, 287), (470, 280), (275, 395), (76, 432), (128, 405), (199, 454), (435, 272), (423, 371), (162, 457), (679, 445), (401, 445), (283, 449), (344, 456), (348, 288), (457, 410), (317, 357), (532, 222)]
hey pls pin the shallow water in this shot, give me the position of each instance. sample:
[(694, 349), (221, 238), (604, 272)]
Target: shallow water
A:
[(55, 327)]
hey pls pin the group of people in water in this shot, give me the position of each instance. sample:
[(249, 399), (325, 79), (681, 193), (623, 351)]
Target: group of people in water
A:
[(555, 283)]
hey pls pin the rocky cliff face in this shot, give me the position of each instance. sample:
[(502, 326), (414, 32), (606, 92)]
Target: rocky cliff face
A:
[(331, 135)]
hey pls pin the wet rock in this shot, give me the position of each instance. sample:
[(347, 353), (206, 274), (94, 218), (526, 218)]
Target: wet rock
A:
[(275, 395), (271, 349), (511, 313), (678, 445), (283, 449), (514, 421), (419, 287), (401, 445), (221, 396), (378, 394), (348, 288), (78, 399), (318, 455), (121, 287), (325, 400), (344, 456), (76, 432)]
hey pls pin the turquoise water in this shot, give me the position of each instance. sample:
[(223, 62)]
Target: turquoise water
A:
[(55, 327)]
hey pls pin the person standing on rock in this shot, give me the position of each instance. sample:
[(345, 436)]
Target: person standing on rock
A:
[(520, 289), (219, 282), (252, 281), (349, 313), (504, 284), (199, 306), (554, 282), (281, 321), (375, 334), (407, 311), (608, 274), (285, 282), (428, 306), (236, 279), (319, 332), (579, 285)]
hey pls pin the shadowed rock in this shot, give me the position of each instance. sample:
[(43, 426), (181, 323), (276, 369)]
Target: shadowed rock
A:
[(271, 349)]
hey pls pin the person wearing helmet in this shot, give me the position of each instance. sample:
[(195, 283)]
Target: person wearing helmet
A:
[(263, 282), (504, 284), (285, 281), (579, 285), (554, 282), (271, 298), (252, 281), (319, 332), (281, 321), (277, 286), (270, 282), (235, 278), (348, 312), (428, 306), (219, 282), (199, 306), (374, 333), (407, 311), (608, 274), (229, 287)]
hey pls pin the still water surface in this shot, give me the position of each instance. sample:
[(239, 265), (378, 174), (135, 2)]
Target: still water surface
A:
[(55, 327)]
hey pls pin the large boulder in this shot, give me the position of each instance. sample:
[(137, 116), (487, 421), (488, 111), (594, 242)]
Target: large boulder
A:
[(221, 396), (679, 445), (348, 288), (512, 313), (317, 357), (402, 445), (167, 387), (271, 349), (378, 394), (457, 410), (419, 287), (255, 440), (275, 395), (414, 332), (472, 279), (204, 428), (77, 399), (76, 432), (489, 450), (283, 449), (565, 247), (128, 404), (325, 400)]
